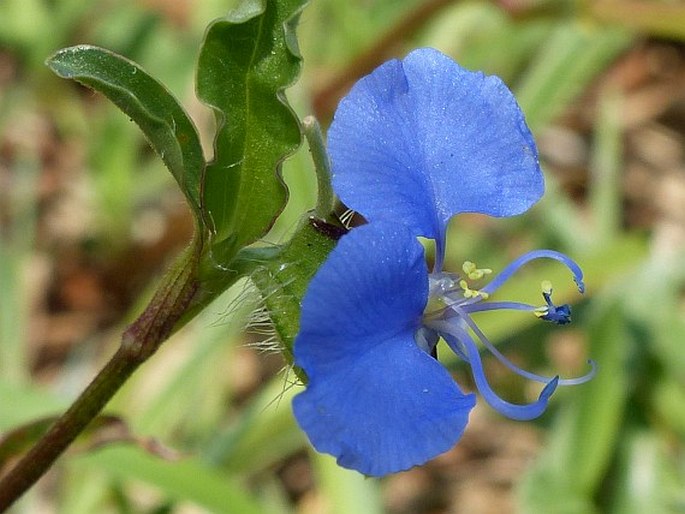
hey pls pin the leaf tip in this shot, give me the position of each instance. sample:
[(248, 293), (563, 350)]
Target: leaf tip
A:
[(62, 61), (246, 10)]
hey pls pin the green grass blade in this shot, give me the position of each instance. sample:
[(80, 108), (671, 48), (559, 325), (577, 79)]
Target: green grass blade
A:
[(649, 476), (21, 404), (185, 479), (586, 433), (346, 490), (571, 57), (606, 166), (263, 435)]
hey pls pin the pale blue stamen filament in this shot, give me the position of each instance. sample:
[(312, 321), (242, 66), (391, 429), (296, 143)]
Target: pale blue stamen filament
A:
[(460, 341), (461, 314), (514, 266)]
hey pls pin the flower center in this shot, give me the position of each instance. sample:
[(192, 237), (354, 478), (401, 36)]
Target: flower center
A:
[(447, 290)]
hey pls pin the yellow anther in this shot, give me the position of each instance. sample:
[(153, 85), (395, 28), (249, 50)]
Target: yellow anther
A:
[(473, 272), (479, 273), (471, 293), (541, 311), (546, 286), (468, 292)]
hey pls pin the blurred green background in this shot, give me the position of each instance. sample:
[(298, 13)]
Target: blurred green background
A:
[(89, 217)]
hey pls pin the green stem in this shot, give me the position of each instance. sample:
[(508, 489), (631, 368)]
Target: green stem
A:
[(140, 340), (325, 196)]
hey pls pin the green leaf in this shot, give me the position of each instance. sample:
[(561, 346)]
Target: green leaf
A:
[(247, 59), (166, 125)]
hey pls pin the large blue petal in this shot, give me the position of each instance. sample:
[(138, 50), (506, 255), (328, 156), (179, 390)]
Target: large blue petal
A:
[(391, 408), (422, 139), (374, 399)]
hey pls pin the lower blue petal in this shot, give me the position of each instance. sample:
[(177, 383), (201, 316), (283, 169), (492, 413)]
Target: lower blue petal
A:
[(375, 400), (392, 408)]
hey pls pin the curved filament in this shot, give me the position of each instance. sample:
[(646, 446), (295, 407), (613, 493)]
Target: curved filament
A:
[(514, 266), (462, 314), (460, 341)]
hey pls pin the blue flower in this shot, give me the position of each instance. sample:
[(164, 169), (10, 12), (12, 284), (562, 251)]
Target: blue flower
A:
[(413, 144)]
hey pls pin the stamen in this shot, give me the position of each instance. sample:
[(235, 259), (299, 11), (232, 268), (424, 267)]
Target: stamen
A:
[(460, 342), (541, 312), (442, 290), (559, 314), (496, 306), (514, 266), (471, 293), (473, 272), (461, 314), (468, 293)]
